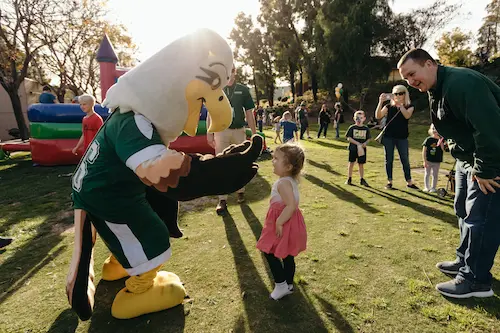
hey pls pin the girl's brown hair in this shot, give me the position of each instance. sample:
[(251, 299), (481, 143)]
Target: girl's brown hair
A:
[(295, 156)]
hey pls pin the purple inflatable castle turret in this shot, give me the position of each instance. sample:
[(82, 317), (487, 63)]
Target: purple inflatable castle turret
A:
[(106, 56)]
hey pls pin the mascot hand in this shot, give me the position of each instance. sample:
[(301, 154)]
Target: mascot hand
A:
[(222, 174)]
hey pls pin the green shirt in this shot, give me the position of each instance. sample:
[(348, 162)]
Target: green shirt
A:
[(465, 109), (241, 101), (105, 182)]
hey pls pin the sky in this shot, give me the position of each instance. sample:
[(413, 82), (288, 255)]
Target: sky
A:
[(152, 24)]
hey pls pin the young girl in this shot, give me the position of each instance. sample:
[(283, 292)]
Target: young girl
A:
[(284, 233), (277, 129), (432, 154), (289, 127), (324, 120)]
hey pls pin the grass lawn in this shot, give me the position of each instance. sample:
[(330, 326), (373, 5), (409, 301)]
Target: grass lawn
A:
[(369, 266)]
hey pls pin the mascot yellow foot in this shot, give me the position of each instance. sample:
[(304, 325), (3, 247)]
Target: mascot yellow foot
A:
[(112, 270), (150, 292)]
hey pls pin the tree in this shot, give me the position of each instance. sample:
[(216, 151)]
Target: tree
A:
[(453, 49), (253, 49), (72, 58), (488, 33), (347, 34), (26, 26), (412, 30)]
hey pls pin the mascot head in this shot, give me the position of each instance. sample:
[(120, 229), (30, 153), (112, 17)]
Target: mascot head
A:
[(170, 87)]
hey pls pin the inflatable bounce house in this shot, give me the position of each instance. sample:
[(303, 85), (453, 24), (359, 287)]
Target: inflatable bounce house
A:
[(56, 128)]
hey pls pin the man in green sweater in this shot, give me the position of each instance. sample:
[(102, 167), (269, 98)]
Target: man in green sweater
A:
[(465, 110)]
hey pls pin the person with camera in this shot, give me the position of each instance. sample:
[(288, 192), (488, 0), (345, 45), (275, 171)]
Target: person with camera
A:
[(398, 112)]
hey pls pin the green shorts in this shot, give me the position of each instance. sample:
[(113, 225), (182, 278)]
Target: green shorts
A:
[(139, 239)]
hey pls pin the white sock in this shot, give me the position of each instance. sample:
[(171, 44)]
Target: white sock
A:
[(280, 290)]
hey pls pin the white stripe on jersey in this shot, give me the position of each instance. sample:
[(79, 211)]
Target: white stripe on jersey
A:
[(144, 155)]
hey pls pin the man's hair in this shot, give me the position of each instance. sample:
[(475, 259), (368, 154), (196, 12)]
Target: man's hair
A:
[(420, 56), (46, 88)]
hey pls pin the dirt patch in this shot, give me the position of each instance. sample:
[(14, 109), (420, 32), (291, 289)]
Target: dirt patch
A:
[(63, 229), (198, 204)]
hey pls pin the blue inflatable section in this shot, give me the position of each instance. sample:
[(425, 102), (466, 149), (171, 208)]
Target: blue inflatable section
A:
[(203, 112), (61, 113)]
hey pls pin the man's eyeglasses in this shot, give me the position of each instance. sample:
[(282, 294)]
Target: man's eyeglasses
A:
[(400, 93)]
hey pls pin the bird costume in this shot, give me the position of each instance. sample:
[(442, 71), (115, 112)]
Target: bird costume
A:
[(128, 184)]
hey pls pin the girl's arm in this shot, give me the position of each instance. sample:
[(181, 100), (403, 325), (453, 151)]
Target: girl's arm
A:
[(285, 189)]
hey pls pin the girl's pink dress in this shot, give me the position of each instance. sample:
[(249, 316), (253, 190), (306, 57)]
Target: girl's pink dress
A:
[(294, 237)]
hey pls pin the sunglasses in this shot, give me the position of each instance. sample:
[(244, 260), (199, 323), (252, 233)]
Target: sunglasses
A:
[(400, 93)]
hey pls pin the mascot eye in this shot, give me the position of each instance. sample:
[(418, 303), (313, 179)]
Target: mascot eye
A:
[(215, 83)]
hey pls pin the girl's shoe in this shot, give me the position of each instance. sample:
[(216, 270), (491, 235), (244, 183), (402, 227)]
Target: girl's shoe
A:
[(280, 291)]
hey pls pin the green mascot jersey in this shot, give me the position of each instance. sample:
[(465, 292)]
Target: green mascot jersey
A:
[(107, 188)]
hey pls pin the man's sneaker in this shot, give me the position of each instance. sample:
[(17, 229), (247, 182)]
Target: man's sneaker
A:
[(4, 241), (364, 182), (348, 181), (432, 190), (221, 208), (450, 267), (388, 186), (291, 288), (462, 288), (241, 197)]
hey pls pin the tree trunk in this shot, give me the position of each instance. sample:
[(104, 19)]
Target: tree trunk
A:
[(18, 112), (270, 95), (291, 69), (257, 97), (314, 85), (301, 84)]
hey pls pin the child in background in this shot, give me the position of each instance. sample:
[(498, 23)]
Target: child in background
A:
[(289, 127), (91, 123), (284, 234), (432, 154), (277, 129), (358, 136)]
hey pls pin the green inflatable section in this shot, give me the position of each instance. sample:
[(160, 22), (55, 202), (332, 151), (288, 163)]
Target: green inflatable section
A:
[(201, 130), (55, 131)]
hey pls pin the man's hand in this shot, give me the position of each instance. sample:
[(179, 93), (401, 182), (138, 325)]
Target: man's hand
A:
[(487, 185), (426, 164)]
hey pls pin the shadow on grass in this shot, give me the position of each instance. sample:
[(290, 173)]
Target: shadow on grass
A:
[(335, 317), (171, 320), (419, 208), (429, 197), (28, 260), (293, 313), (66, 322), (342, 194), (328, 144), (323, 165)]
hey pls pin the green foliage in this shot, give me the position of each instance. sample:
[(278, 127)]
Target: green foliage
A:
[(453, 49)]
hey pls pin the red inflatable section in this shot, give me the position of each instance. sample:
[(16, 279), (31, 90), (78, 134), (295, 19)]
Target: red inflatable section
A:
[(58, 151), (54, 152), (192, 145), (18, 146)]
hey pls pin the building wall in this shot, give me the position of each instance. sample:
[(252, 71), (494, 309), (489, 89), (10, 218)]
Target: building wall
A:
[(28, 93)]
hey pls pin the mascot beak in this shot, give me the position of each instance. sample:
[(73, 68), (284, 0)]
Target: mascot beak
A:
[(216, 102)]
